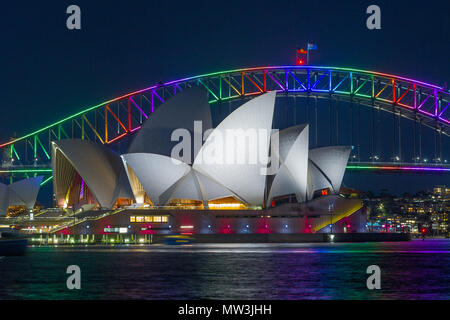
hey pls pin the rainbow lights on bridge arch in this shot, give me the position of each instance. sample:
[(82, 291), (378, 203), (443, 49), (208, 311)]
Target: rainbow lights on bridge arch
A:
[(397, 168), (125, 114), (352, 166)]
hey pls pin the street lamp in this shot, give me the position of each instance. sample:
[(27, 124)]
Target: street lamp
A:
[(331, 209)]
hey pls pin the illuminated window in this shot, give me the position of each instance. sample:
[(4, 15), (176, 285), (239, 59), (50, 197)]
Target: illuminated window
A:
[(227, 203), (115, 230), (157, 219)]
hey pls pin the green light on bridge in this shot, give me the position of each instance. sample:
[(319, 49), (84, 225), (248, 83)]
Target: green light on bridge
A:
[(27, 171), (46, 181)]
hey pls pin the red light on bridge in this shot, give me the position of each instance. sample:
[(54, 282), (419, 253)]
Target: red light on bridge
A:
[(299, 58), (325, 192)]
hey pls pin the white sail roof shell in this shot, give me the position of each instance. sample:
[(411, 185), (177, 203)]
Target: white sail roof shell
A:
[(187, 187), (328, 166), (178, 112), (4, 199), (24, 192), (156, 173), (101, 169), (212, 189), (244, 179), (20, 193), (196, 186), (316, 180), (292, 175)]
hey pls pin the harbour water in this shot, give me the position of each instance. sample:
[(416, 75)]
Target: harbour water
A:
[(409, 270)]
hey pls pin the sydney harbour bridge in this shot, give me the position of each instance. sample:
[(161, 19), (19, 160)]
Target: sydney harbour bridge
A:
[(393, 123)]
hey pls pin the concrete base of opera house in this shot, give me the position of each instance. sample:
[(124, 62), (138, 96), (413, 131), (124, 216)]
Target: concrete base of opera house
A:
[(343, 215), (328, 218)]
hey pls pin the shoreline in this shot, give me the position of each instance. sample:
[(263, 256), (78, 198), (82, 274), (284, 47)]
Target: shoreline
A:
[(234, 238)]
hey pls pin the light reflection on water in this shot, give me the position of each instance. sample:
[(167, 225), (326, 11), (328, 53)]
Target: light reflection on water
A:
[(410, 270)]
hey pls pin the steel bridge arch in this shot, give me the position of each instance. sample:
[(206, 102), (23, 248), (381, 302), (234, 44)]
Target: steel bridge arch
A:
[(412, 99)]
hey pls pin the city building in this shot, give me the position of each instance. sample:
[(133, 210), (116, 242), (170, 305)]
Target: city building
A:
[(425, 212)]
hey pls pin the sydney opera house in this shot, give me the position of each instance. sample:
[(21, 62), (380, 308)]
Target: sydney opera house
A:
[(181, 175)]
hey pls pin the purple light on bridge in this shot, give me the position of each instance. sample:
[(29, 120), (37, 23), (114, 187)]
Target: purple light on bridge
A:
[(142, 111), (397, 168)]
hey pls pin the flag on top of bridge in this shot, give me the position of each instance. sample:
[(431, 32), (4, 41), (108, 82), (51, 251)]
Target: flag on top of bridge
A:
[(312, 46)]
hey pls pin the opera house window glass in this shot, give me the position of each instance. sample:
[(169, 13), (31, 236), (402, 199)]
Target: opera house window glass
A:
[(155, 219)]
